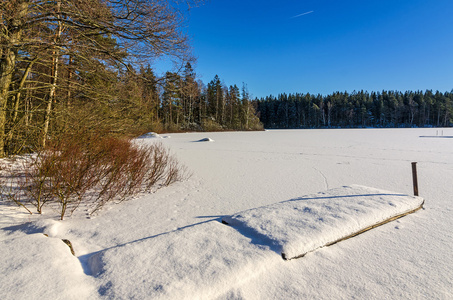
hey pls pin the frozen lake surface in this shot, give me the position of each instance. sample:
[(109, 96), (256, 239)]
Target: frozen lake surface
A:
[(409, 258)]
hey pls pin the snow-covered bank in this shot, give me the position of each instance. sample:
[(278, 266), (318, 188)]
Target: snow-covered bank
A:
[(408, 258)]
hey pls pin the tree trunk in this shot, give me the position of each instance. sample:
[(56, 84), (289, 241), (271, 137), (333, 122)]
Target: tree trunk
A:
[(7, 65), (10, 135), (10, 41), (53, 87)]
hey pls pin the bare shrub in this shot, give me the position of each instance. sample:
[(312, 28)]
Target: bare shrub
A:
[(122, 172), (61, 173), (92, 169), (74, 165), (159, 161), (9, 188), (36, 180), (175, 172)]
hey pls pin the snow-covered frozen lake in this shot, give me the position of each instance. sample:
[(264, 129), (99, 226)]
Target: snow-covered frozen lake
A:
[(409, 258)]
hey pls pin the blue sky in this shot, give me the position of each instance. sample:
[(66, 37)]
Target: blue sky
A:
[(336, 45)]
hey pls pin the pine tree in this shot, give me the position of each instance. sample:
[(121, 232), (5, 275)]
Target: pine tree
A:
[(171, 100), (190, 93)]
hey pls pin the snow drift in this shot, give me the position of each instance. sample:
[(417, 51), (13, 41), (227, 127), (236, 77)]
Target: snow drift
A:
[(38, 267), (299, 226), (201, 261)]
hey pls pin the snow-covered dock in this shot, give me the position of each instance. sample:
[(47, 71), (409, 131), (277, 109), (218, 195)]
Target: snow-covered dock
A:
[(206, 260), (299, 226)]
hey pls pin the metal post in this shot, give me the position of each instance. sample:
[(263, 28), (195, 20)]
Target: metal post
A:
[(414, 178)]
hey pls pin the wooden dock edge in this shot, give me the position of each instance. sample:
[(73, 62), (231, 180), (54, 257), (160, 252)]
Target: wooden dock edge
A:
[(359, 232)]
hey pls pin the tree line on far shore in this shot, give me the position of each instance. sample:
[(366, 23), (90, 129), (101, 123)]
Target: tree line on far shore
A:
[(357, 109), (180, 102)]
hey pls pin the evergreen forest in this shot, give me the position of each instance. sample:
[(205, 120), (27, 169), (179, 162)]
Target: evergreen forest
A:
[(357, 109)]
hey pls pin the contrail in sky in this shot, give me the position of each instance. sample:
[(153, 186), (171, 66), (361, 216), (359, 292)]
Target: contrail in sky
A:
[(305, 13)]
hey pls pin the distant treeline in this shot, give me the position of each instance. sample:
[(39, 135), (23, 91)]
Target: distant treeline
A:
[(184, 103), (358, 109)]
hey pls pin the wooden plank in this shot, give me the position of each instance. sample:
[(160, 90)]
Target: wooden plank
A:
[(359, 232)]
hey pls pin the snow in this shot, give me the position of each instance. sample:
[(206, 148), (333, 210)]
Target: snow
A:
[(38, 267), (306, 224), (171, 244), (153, 135), (150, 135), (201, 261), (206, 140)]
